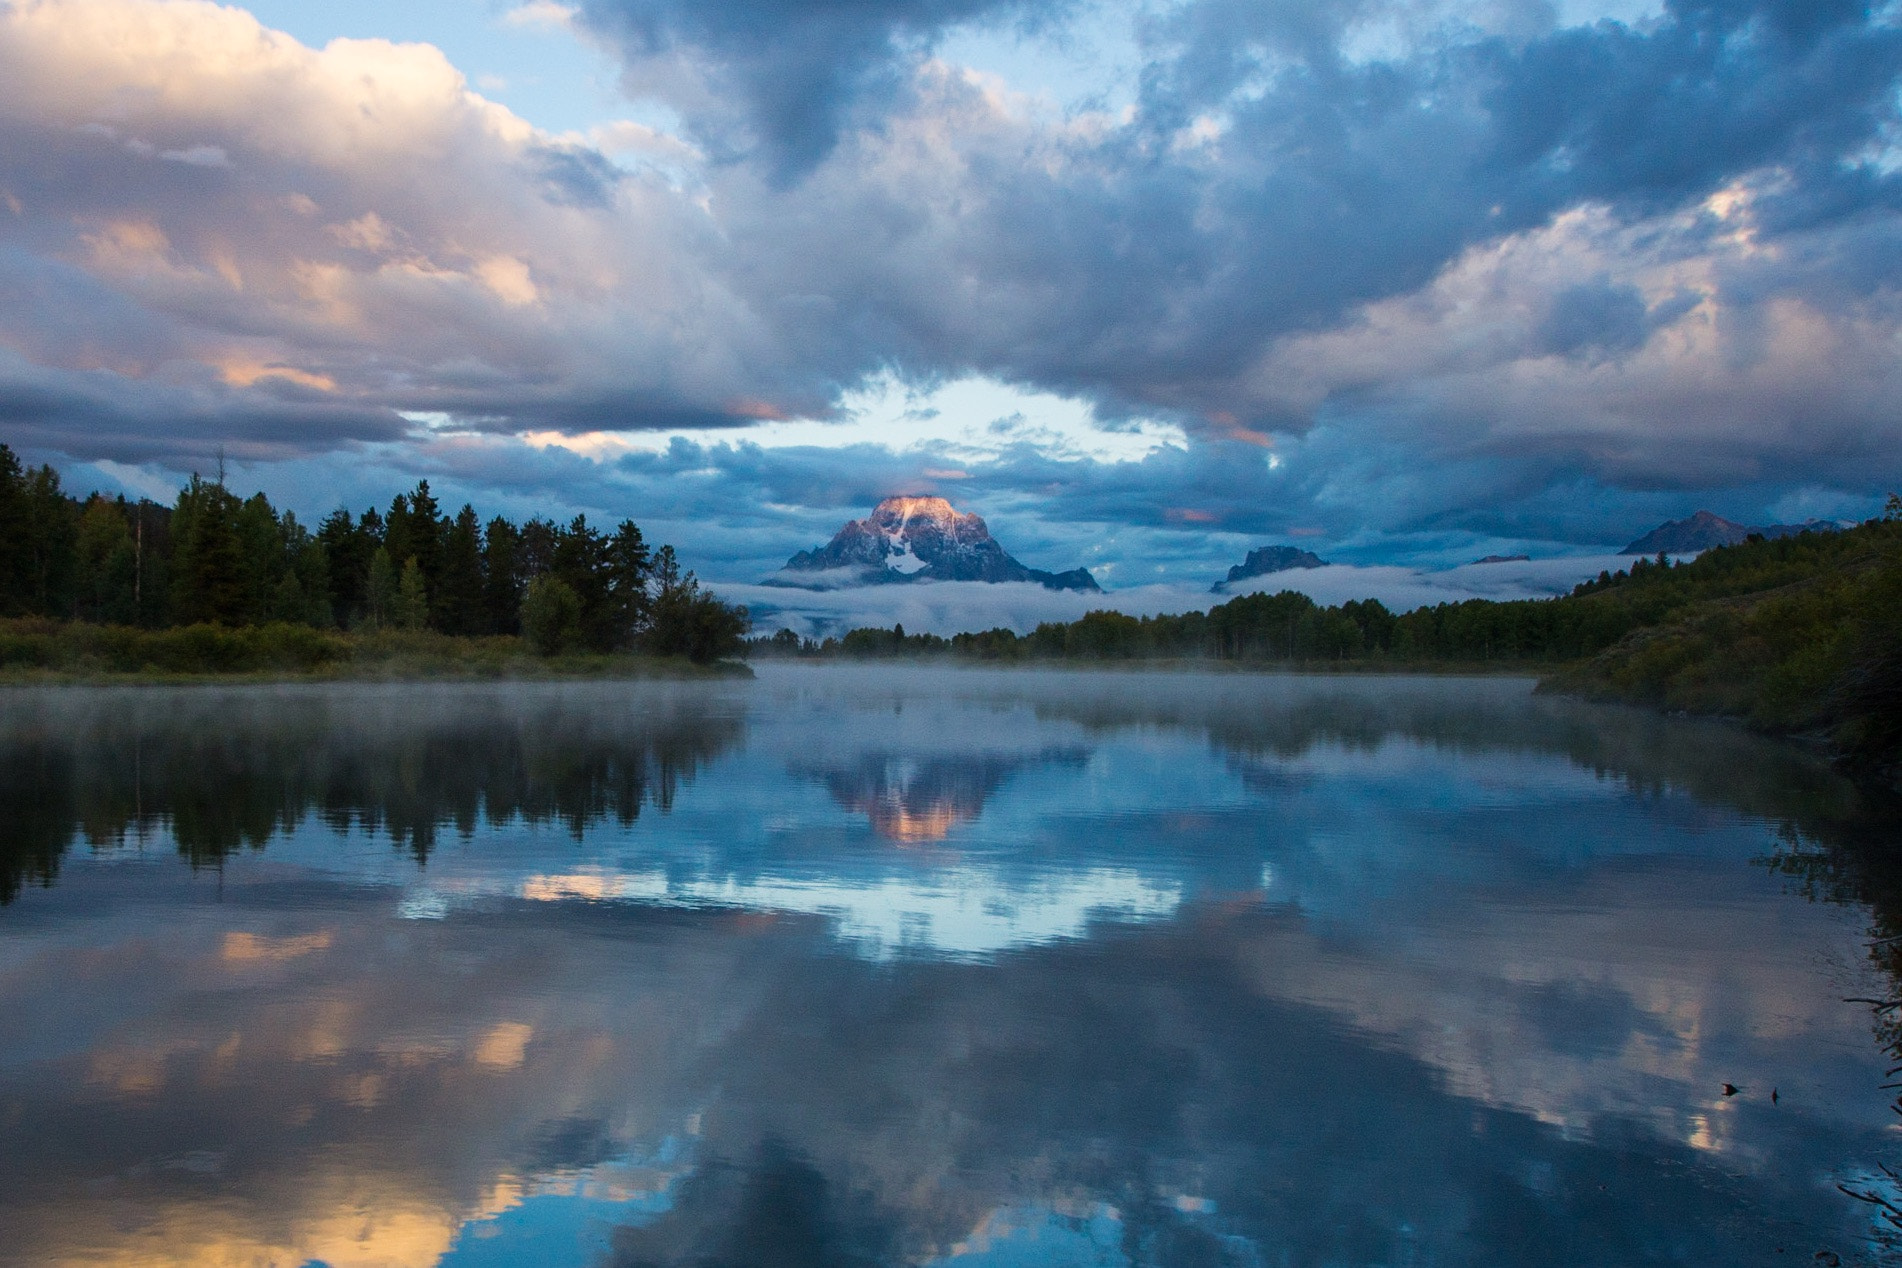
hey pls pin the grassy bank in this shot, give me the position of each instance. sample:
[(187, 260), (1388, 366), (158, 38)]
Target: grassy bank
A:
[(1817, 654), (38, 651)]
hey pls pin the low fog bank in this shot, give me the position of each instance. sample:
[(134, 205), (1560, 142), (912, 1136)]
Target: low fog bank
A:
[(951, 607)]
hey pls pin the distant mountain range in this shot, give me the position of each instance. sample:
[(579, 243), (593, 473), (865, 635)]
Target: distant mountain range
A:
[(1703, 531), (1265, 560), (906, 540)]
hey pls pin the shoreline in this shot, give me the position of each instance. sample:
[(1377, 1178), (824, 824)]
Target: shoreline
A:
[(559, 669)]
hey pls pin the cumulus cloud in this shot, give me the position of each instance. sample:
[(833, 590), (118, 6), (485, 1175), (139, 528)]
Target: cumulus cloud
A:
[(1441, 275), (353, 221)]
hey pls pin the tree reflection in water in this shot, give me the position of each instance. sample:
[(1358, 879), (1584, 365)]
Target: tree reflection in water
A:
[(1481, 1014), (1855, 858), (224, 770)]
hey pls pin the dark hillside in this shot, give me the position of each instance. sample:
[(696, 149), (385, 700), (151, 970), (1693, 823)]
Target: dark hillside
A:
[(1802, 635)]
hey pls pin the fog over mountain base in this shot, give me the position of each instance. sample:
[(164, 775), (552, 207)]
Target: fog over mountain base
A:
[(951, 607)]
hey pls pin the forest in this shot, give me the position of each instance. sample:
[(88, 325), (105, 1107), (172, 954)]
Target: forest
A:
[(1796, 635), (213, 562)]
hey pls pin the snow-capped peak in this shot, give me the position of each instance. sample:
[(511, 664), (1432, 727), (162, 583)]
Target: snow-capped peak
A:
[(925, 539)]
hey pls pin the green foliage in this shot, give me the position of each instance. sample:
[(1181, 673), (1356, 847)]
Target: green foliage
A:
[(1800, 633), (1816, 651), (411, 611), (209, 576), (191, 649), (108, 564), (458, 599), (871, 643), (685, 620), (502, 586), (551, 615), (381, 591), (213, 559)]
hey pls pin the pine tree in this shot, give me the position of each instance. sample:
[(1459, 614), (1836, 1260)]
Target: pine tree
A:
[(380, 598), (580, 560), (347, 547), (261, 541), (412, 597), (628, 568), (458, 593), (208, 580), (52, 532), (107, 564), (502, 578), (415, 531)]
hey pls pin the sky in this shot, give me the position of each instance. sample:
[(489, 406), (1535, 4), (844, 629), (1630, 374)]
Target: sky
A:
[(1147, 284)]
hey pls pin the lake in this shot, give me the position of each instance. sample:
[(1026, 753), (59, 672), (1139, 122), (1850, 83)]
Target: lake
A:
[(887, 965)]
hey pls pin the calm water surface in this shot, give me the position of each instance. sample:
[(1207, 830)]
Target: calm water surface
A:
[(902, 967)]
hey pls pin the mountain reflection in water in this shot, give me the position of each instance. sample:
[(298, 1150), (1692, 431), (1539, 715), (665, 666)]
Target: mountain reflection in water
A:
[(916, 801), (1198, 970)]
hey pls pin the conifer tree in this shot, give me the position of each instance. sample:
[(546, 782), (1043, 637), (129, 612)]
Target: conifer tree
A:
[(502, 578), (458, 598), (380, 599), (107, 564), (209, 569), (628, 567), (412, 597), (347, 547)]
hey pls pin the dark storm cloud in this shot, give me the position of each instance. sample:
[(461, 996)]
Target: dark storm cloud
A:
[(1715, 88), (1150, 270), (1494, 276), (181, 426), (787, 75)]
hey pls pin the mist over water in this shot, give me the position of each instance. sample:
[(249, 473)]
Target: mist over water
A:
[(886, 965)]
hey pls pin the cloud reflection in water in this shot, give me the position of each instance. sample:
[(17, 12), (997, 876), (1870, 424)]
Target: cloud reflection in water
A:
[(1206, 969)]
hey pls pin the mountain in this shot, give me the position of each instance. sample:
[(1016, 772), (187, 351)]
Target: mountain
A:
[(1704, 530), (918, 539), (1266, 560)]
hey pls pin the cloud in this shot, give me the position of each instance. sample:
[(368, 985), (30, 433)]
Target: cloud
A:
[(780, 78), (951, 607), (1416, 278), (541, 13), (221, 195)]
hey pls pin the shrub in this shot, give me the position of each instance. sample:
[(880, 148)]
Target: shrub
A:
[(691, 622), (551, 615)]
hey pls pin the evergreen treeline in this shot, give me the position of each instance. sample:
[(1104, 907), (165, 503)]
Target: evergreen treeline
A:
[(215, 559), (1290, 627), (1801, 633)]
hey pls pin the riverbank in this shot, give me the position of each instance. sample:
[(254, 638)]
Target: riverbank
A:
[(47, 652), (1817, 659)]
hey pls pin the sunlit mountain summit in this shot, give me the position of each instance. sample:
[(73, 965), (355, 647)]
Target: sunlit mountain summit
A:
[(909, 539)]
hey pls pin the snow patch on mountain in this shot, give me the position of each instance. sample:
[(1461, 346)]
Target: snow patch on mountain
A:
[(913, 539)]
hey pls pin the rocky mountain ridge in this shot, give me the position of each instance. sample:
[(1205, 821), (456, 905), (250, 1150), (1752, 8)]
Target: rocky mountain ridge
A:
[(1705, 530), (1268, 559), (911, 539)]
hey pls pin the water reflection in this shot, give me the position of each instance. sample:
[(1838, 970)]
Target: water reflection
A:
[(1397, 972), (219, 771), (917, 801)]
